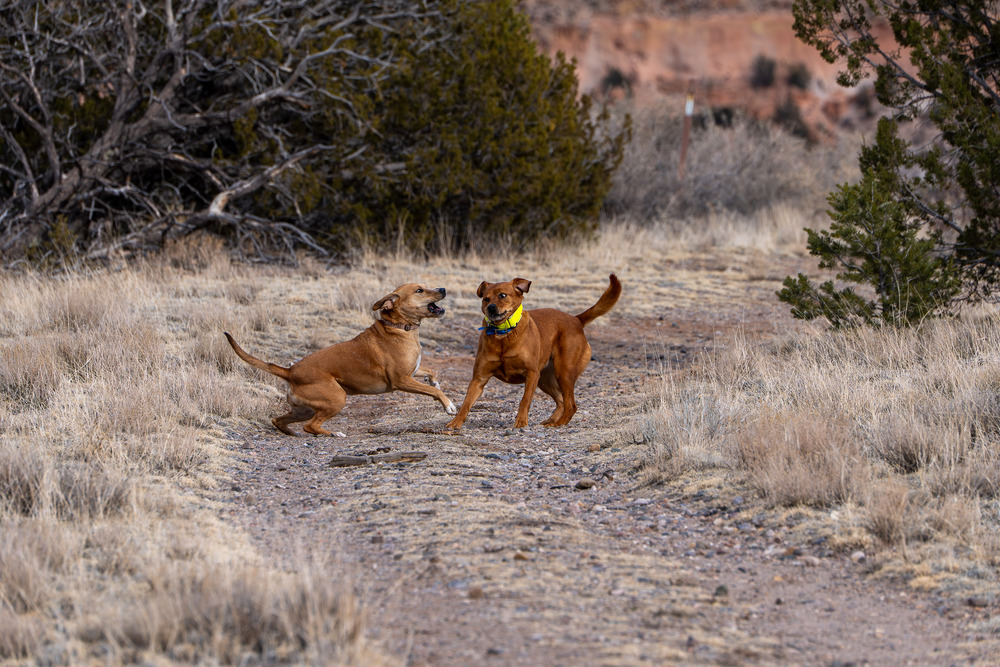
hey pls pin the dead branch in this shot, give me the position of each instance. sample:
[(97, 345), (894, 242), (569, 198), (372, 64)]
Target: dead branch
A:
[(345, 461), (114, 114)]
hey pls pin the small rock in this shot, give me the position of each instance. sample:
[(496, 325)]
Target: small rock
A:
[(520, 556), (811, 561), (491, 455), (594, 448), (858, 557), (721, 592), (476, 593), (585, 483), (978, 601)]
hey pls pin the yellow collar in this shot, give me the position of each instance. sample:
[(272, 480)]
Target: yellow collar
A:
[(504, 327)]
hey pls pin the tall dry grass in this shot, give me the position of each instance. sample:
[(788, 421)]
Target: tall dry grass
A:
[(743, 168), (113, 388), (895, 433)]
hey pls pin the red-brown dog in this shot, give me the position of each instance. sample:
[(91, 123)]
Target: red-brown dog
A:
[(542, 348), (382, 358)]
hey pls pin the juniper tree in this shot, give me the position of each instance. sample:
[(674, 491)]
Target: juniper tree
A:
[(929, 212), (492, 139)]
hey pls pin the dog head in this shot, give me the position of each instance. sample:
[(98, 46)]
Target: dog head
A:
[(410, 303), (501, 300)]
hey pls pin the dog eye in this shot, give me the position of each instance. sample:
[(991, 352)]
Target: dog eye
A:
[(503, 296), (419, 290)]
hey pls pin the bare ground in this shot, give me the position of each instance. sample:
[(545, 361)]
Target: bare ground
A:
[(487, 552)]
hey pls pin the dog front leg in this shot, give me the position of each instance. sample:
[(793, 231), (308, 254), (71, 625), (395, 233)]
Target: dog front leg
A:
[(471, 396), (412, 386), (530, 384)]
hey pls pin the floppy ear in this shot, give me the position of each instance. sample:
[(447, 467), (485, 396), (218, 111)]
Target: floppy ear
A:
[(387, 302), (482, 289), (521, 285)]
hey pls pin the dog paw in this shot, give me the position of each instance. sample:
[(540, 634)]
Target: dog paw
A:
[(450, 408)]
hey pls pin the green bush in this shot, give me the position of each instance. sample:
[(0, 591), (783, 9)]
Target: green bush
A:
[(877, 244), (488, 139), (923, 227), (279, 125)]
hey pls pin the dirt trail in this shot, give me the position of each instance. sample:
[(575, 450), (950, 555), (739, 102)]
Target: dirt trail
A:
[(487, 553)]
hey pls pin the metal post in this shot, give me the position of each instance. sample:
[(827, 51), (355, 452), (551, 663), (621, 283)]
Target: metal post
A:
[(686, 133)]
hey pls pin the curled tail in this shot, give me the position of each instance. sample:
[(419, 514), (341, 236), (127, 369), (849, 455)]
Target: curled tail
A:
[(273, 369), (604, 304)]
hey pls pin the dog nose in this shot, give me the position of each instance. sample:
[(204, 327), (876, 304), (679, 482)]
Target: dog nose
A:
[(492, 309), (443, 291)]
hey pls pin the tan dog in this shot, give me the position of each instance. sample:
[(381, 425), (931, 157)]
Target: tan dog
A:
[(382, 358), (543, 348)]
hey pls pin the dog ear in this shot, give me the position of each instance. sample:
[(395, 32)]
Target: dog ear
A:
[(521, 285), (482, 289), (387, 302)]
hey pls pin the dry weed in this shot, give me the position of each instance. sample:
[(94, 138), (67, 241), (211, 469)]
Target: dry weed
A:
[(800, 459), (20, 636), (29, 373), (108, 398), (743, 169), (900, 425), (204, 254), (23, 479), (229, 614)]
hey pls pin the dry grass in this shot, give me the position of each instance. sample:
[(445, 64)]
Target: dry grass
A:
[(112, 388), (896, 429), (741, 169), (118, 392)]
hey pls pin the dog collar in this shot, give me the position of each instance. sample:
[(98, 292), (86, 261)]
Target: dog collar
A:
[(504, 327), (404, 327)]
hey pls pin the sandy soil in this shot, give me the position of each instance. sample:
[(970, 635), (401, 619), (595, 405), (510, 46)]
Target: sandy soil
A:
[(486, 552)]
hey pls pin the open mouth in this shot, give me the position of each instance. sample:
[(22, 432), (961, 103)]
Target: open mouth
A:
[(435, 310)]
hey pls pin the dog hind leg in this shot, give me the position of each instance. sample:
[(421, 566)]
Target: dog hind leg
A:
[(298, 413), (548, 383), (568, 368), (326, 399)]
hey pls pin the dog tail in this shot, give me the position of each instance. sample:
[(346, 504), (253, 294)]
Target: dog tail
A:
[(604, 304), (273, 369)]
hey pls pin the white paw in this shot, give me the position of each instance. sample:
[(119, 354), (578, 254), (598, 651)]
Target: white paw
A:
[(450, 408)]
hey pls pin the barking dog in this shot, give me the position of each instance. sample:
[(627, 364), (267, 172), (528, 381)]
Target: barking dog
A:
[(382, 358), (542, 348)]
